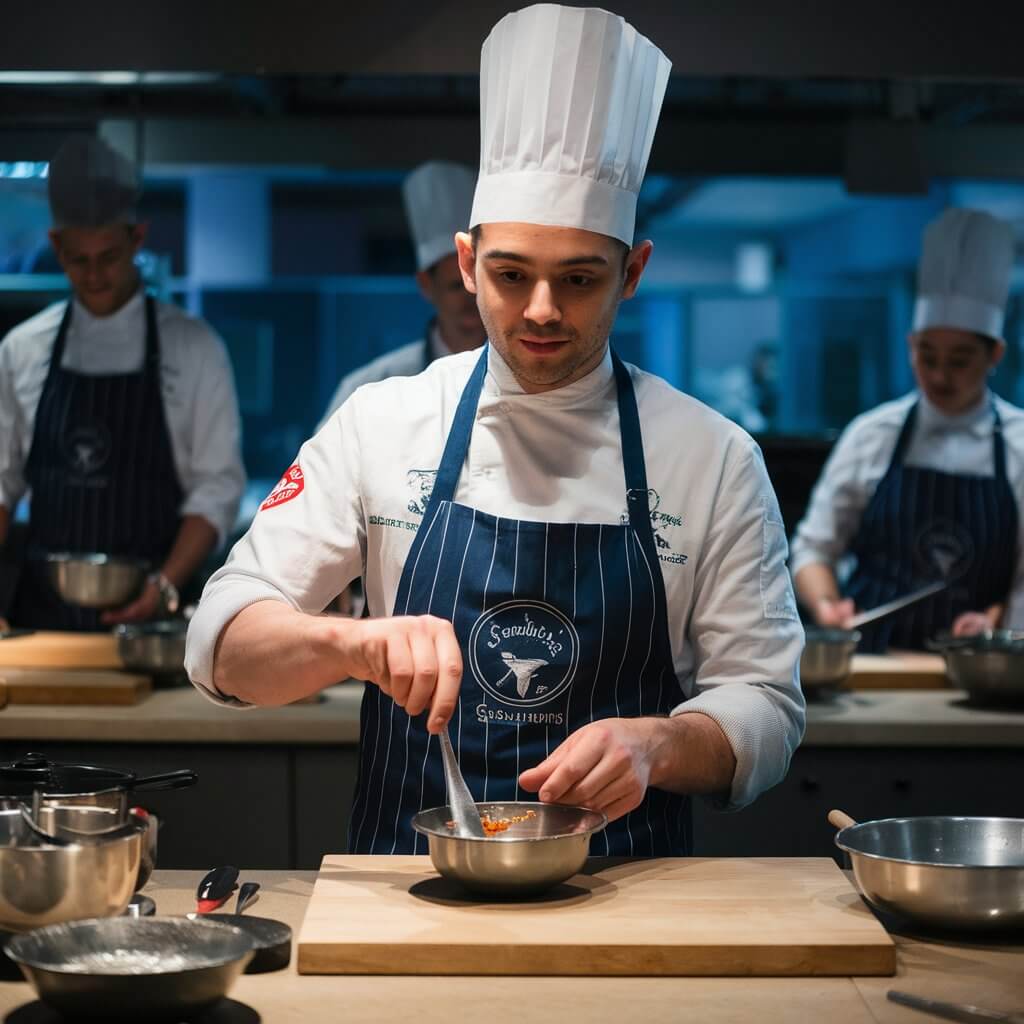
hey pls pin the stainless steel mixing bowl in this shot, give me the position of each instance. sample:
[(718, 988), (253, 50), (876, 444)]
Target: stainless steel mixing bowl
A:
[(826, 658), (95, 580), (532, 856), (138, 969), (154, 647), (42, 884), (942, 872), (989, 666)]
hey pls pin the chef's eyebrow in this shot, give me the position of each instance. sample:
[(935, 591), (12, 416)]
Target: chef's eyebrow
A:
[(572, 261)]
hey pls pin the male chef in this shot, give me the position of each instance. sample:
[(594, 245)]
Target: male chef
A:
[(590, 591), (117, 412), (438, 196)]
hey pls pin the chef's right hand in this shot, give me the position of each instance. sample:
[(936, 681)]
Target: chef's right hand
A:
[(834, 614), (414, 659)]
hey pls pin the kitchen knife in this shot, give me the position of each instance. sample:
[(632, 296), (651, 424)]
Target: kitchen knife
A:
[(953, 1011), (863, 618)]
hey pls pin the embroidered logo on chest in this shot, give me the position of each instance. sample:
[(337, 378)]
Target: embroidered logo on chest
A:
[(419, 485), (524, 653), (661, 522)]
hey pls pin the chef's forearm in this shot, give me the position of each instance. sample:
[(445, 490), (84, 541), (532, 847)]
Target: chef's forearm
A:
[(195, 540), (816, 582), (271, 654), (5, 524), (691, 755)]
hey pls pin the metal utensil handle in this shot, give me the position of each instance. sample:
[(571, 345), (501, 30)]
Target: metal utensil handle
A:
[(247, 896), (894, 606), (167, 780), (952, 1011), (460, 800)]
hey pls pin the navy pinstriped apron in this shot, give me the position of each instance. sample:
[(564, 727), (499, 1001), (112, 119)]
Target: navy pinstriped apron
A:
[(560, 624), (923, 525), (102, 475)]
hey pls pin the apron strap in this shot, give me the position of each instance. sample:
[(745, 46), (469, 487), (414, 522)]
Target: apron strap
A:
[(59, 344), (151, 363), (457, 446), (633, 467), (906, 432), (998, 446)]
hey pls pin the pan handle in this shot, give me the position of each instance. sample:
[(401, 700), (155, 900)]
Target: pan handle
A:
[(167, 780), (840, 819)]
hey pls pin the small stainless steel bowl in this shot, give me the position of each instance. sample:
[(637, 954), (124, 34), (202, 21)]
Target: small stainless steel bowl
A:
[(94, 580), (154, 647), (138, 969), (42, 884), (530, 857), (827, 657), (989, 666)]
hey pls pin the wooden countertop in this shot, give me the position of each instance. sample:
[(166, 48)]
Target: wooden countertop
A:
[(898, 718), (988, 974)]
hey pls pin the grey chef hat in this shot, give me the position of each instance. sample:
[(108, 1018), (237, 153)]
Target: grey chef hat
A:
[(91, 185)]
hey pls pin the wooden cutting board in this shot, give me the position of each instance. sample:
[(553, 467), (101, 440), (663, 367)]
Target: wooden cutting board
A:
[(47, 649), (73, 686), (911, 670), (671, 916)]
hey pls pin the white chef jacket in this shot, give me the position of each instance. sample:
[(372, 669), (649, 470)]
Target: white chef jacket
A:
[(557, 457), (951, 444), (406, 361), (196, 382)]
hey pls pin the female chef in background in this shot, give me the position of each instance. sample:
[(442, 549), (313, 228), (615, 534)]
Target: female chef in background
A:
[(928, 487)]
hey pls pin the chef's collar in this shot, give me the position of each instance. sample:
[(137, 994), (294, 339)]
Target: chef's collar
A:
[(117, 321), (976, 420), (502, 381)]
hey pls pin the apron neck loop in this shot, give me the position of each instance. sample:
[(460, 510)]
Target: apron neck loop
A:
[(633, 466)]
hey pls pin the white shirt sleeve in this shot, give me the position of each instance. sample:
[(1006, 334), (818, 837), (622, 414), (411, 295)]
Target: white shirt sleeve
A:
[(12, 434), (836, 506), (303, 551), (214, 476), (745, 630)]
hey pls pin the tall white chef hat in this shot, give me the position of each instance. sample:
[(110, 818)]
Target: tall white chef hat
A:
[(91, 184), (569, 101), (438, 196), (963, 278)]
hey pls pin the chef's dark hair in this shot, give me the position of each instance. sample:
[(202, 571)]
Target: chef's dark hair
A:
[(475, 234)]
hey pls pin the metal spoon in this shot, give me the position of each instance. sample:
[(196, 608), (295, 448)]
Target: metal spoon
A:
[(460, 800), (953, 1011), (247, 896)]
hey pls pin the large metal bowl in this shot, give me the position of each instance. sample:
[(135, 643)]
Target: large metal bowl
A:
[(827, 657), (96, 580), (153, 647), (988, 666), (42, 884), (532, 856), (942, 872), (138, 969)]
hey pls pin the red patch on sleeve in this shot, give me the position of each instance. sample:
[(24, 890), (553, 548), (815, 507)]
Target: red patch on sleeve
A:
[(288, 487)]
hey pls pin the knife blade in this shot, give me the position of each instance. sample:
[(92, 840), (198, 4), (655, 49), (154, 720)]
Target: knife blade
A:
[(863, 618), (953, 1011)]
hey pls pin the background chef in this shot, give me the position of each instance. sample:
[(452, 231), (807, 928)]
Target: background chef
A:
[(118, 412), (593, 597), (437, 197), (929, 487)]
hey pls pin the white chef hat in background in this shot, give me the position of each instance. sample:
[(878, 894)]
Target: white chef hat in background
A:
[(569, 101), (438, 196), (963, 277), (90, 185)]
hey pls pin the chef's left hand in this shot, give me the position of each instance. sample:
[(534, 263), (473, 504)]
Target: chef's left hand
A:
[(972, 623), (143, 608), (605, 766)]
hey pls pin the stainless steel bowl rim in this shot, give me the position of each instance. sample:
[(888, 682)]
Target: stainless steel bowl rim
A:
[(827, 635), (923, 863), (38, 933), (502, 837), (95, 558), (139, 825)]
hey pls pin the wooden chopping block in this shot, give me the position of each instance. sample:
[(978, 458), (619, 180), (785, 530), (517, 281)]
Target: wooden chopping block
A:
[(907, 670), (73, 686), (51, 649), (671, 916)]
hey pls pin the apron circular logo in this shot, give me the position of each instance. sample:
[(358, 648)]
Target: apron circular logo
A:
[(944, 550), (524, 653), (87, 448)]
